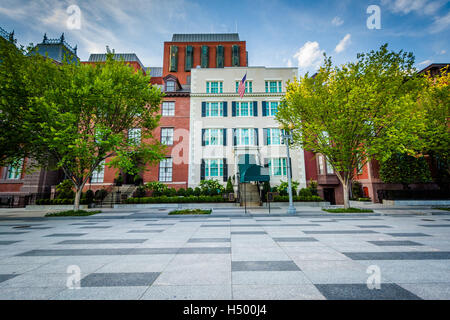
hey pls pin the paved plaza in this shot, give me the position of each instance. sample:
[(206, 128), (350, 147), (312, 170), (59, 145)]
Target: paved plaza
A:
[(146, 254)]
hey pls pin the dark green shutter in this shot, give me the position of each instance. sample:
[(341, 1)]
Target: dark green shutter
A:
[(224, 135), (233, 109), (225, 109), (173, 67), (203, 137), (234, 137), (256, 137), (203, 109), (225, 170), (266, 162), (235, 56), (255, 108), (205, 57), (219, 56), (264, 110), (189, 58), (202, 170)]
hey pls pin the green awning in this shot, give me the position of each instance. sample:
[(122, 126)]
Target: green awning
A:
[(253, 172)]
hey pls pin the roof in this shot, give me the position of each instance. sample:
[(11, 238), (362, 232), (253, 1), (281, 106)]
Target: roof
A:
[(154, 71), (127, 57), (6, 35), (204, 37), (434, 66), (57, 49)]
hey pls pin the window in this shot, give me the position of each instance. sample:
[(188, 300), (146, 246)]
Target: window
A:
[(14, 172), (271, 108), (168, 108), (167, 136), (213, 168), (134, 136), (213, 137), (99, 173), (165, 170), (214, 87), (330, 169), (244, 109), (273, 86), (248, 86), (320, 159), (245, 137), (277, 167), (274, 136), (170, 86), (214, 109)]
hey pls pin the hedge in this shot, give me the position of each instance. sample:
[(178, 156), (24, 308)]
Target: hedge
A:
[(59, 201), (297, 198), (413, 194), (165, 199)]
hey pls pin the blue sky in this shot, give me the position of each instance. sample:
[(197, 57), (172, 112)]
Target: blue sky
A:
[(278, 32)]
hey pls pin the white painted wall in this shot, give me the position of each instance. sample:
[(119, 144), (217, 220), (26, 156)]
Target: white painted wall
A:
[(229, 76)]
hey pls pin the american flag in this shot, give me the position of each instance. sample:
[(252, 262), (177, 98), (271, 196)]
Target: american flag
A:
[(241, 89)]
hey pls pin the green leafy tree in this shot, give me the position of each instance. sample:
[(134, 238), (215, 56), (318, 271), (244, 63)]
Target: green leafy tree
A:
[(79, 115), (229, 188), (405, 169), (357, 112)]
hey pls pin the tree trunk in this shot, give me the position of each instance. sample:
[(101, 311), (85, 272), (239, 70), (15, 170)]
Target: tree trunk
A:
[(76, 205), (345, 187)]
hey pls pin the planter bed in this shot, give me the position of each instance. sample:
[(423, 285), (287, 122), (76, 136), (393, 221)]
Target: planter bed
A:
[(416, 202), (53, 207)]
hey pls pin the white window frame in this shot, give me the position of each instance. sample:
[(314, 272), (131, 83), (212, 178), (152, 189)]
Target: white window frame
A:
[(209, 108), (134, 136), (278, 170), (98, 175), (271, 134), (320, 160), (209, 86), (240, 138), (218, 166), (168, 109), (167, 136), (279, 86), (172, 86), (249, 108), (14, 172), (330, 169), (248, 86), (166, 170), (211, 140)]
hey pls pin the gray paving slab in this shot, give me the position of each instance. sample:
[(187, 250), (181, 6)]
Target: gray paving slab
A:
[(145, 231), (66, 235), (31, 293), (188, 292), (408, 234), (338, 231), (201, 240), (294, 239), (123, 279), (373, 226), (387, 291), (269, 278), (101, 293), (102, 241), (432, 255), (247, 232), (5, 242), (264, 266), (5, 277), (429, 291), (395, 243), (276, 292)]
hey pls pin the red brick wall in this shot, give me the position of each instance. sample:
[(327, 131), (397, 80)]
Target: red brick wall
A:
[(310, 166), (182, 75)]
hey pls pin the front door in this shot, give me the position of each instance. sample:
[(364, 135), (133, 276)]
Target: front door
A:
[(328, 194)]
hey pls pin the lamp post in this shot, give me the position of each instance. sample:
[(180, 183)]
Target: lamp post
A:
[(287, 138)]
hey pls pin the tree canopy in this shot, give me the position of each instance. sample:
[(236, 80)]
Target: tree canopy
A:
[(357, 112)]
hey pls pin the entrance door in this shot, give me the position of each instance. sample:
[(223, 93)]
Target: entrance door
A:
[(328, 194)]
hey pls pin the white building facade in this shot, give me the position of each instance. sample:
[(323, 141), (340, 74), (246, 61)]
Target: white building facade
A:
[(226, 130)]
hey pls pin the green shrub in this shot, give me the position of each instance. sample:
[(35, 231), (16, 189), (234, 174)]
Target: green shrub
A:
[(90, 196), (140, 192), (190, 211), (348, 210), (176, 199), (305, 192), (100, 194), (197, 191), (64, 190), (181, 192), (313, 187), (189, 192), (156, 187), (309, 198), (357, 190), (211, 187), (229, 188)]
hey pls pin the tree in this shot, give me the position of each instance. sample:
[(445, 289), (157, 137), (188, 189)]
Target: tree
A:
[(229, 188), (80, 116), (435, 102), (356, 112), (405, 169)]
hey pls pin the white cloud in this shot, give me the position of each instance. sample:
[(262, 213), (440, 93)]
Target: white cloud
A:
[(442, 52), (424, 62), (337, 21), (309, 54), (420, 6), (440, 24), (343, 44)]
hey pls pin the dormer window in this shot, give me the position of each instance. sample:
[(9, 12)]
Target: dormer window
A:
[(170, 86)]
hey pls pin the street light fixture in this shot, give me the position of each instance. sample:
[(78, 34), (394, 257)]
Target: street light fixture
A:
[(287, 138)]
